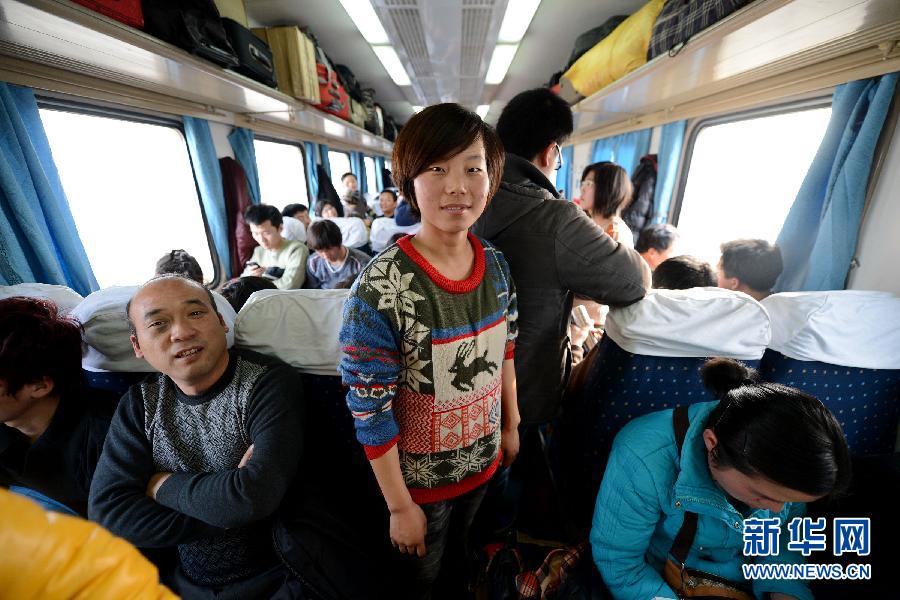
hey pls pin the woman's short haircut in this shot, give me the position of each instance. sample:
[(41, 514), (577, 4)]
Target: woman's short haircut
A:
[(37, 341), (438, 133), (682, 273), (292, 209), (237, 291), (321, 204), (612, 188), (179, 262), (324, 234), (257, 214)]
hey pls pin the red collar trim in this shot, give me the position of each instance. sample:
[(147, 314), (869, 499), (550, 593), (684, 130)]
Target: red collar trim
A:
[(454, 286)]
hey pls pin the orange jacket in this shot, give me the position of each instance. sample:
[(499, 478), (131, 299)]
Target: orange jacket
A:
[(50, 556)]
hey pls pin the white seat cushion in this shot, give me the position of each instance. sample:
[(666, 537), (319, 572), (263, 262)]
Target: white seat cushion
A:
[(384, 228), (846, 327), (108, 337), (65, 298), (300, 327), (353, 230), (697, 322)]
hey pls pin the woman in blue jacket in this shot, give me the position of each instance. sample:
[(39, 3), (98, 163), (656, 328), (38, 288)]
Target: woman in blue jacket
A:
[(762, 451)]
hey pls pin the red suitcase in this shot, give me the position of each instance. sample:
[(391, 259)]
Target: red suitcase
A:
[(126, 11)]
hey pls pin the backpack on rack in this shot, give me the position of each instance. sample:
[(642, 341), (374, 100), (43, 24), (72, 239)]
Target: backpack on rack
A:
[(194, 25), (333, 96), (351, 84), (639, 213), (592, 37), (679, 20)]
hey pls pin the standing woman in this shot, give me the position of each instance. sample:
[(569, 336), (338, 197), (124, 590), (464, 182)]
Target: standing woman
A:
[(605, 192), (762, 451), (428, 337)]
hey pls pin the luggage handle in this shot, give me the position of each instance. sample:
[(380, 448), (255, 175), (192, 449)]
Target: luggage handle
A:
[(260, 57)]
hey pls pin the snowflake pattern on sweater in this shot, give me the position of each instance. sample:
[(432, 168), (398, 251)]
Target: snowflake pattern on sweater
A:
[(423, 359)]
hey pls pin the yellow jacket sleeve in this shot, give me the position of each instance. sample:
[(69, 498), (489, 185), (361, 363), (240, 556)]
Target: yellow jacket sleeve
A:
[(50, 556)]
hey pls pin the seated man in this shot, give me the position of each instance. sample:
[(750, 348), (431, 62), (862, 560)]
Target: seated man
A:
[(749, 266), (656, 243), (276, 258), (238, 291), (682, 273), (353, 201), (387, 201), (200, 455), (296, 221), (51, 427), (332, 262), (179, 262)]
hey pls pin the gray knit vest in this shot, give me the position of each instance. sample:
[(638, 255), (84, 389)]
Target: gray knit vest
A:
[(206, 438)]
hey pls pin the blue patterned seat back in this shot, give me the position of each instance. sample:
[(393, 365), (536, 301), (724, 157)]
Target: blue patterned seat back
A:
[(115, 383), (865, 401)]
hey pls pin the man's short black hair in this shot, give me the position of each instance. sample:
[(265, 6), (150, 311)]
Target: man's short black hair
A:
[(179, 262), (756, 263), (348, 174), (237, 291), (533, 120), (389, 191), (293, 209), (659, 236), (257, 214), (324, 234), (683, 272)]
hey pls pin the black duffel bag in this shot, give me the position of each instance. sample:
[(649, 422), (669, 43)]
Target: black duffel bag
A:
[(194, 25)]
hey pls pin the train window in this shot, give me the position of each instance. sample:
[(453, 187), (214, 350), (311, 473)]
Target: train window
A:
[(743, 176), (131, 191), (282, 176), (340, 164), (371, 180)]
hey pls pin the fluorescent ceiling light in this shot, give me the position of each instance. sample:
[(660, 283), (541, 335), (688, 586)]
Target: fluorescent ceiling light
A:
[(388, 57), (366, 20), (482, 110), (516, 20), (500, 61), (417, 108)]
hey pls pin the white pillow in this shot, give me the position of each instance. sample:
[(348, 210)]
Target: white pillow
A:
[(846, 327), (384, 228), (300, 327), (697, 322), (353, 230), (65, 298), (108, 337)]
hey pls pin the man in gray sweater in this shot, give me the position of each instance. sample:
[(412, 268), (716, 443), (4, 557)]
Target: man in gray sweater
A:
[(200, 455)]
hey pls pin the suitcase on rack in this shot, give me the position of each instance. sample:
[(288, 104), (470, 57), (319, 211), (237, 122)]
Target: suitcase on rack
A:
[(295, 65), (679, 21), (124, 11), (358, 113), (254, 54), (333, 97), (193, 25)]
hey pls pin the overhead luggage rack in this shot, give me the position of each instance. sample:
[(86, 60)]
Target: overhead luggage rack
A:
[(62, 47), (768, 50)]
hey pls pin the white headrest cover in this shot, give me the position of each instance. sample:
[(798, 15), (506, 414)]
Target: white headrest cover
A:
[(383, 230), (106, 330), (847, 327), (353, 230), (65, 298), (300, 327), (692, 323)]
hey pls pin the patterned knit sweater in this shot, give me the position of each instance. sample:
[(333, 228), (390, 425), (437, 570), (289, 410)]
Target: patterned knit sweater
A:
[(423, 360)]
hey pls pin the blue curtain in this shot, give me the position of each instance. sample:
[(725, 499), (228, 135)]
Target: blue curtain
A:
[(668, 157), (38, 238), (819, 235), (312, 178), (358, 167), (241, 141), (379, 174), (209, 181), (564, 175), (625, 149)]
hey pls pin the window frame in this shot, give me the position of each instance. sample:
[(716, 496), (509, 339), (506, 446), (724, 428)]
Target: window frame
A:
[(695, 126), (81, 108), (297, 144)]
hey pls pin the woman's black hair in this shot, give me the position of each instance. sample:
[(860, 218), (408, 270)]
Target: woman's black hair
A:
[(775, 431), (612, 188), (237, 291)]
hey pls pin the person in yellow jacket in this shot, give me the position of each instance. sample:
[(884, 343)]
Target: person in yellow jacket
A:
[(51, 556)]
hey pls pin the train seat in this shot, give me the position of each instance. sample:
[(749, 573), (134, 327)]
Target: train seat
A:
[(353, 231), (844, 348), (65, 298), (109, 362), (384, 229), (648, 360)]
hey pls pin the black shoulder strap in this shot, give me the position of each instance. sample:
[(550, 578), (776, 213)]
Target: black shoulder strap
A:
[(685, 537)]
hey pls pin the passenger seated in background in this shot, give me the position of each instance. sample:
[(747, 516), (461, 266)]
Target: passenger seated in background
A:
[(282, 261), (352, 199), (299, 212), (656, 243), (404, 215), (387, 201), (200, 455), (294, 227), (605, 192), (428, 337), (682, 273), (326, 210), (238, 290), (761, 451), (332, 261), (51, 426), (179, 262), (749, 266)]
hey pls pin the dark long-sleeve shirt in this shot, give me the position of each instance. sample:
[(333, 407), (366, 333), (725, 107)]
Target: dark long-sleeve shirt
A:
[(209, 507)]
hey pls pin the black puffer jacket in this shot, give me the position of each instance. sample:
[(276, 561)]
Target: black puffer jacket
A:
[(554, 251)]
